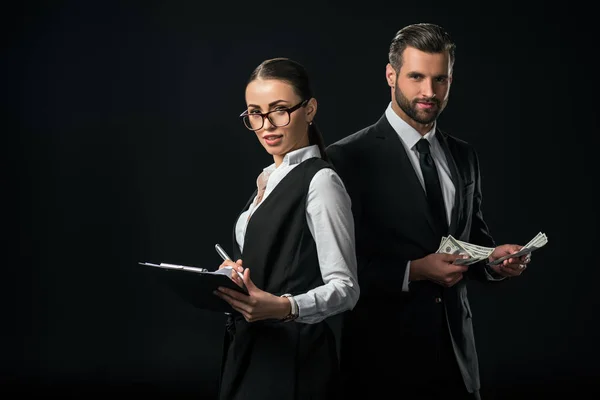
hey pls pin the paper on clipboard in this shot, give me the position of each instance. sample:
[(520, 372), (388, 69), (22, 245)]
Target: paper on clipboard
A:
[(196, 285)]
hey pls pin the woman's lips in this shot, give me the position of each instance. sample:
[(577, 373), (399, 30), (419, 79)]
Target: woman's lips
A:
[(272, 140)]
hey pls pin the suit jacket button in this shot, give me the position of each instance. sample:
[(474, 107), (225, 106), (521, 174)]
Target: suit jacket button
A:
[(438, 300)]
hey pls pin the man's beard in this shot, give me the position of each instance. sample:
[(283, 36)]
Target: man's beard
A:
[(410, 108)]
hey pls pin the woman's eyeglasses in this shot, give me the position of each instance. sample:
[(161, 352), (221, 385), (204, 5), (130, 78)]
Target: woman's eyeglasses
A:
[(279, 117)]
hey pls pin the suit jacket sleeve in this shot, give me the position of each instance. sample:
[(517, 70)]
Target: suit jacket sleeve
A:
[(373, 256), (479, 233)]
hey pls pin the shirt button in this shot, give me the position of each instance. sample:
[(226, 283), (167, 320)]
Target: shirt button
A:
[(438, 300)]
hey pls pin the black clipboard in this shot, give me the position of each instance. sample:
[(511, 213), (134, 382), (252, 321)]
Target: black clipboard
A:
[(194, 285)]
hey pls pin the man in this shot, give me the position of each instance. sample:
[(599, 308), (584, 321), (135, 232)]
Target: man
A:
[(411, 335)]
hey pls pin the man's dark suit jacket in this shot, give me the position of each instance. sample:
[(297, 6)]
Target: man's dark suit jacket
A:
[(391, 337)]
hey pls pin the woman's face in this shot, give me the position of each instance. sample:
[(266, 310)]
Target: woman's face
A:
[(265, 95)]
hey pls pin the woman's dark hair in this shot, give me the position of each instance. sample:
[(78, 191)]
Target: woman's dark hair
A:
[(292, 72)]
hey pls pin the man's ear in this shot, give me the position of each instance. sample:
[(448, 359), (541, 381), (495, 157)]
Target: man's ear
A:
[(390, 75)]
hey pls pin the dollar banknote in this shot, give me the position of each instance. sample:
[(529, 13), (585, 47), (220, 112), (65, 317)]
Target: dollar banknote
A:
[(475, 253), (536, 243)]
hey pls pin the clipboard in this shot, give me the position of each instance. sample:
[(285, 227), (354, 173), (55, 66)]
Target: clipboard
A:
[(195, 285)]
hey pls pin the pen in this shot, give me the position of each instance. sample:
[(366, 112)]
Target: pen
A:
[(225, 257), (183, 267), (222, 252)]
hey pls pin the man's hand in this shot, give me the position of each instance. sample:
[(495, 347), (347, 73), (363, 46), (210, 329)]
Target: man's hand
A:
[(510, 267), (438, 268)]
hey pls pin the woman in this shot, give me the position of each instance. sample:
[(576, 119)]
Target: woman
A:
[(295, 239)]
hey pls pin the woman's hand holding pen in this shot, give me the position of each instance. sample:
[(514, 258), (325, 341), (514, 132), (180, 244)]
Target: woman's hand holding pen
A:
[(257, 304), (237, 266), (227, 262)]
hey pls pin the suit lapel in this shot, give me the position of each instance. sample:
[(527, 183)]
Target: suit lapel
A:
[(456, 179), (401, 168)]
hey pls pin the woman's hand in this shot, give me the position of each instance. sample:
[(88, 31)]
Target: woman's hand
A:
[(237, 266), (257, 304)]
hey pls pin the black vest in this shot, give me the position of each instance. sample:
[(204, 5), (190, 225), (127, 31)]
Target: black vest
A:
[(278, 247), (271, 359)]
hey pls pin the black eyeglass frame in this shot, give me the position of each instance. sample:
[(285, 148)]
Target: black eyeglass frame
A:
[(289, 110)]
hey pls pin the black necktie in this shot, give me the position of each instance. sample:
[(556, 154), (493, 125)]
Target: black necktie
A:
[(432, 185)]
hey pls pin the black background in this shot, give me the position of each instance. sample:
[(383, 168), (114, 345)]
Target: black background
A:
[(124, 145)]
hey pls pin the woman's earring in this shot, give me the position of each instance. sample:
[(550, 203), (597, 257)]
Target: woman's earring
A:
[(310, 122)]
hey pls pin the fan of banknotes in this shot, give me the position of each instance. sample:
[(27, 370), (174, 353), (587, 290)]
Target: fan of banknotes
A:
[(474, 253)]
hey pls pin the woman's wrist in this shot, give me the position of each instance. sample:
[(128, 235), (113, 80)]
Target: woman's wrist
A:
[(290, 309)]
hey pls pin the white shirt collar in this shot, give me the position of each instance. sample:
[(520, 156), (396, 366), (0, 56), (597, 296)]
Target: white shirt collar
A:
[(296, 157), (407, 133)]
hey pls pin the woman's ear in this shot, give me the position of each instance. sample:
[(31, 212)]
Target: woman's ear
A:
[(311, 109)]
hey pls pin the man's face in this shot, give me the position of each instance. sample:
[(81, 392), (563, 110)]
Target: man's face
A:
[(422, 85)]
